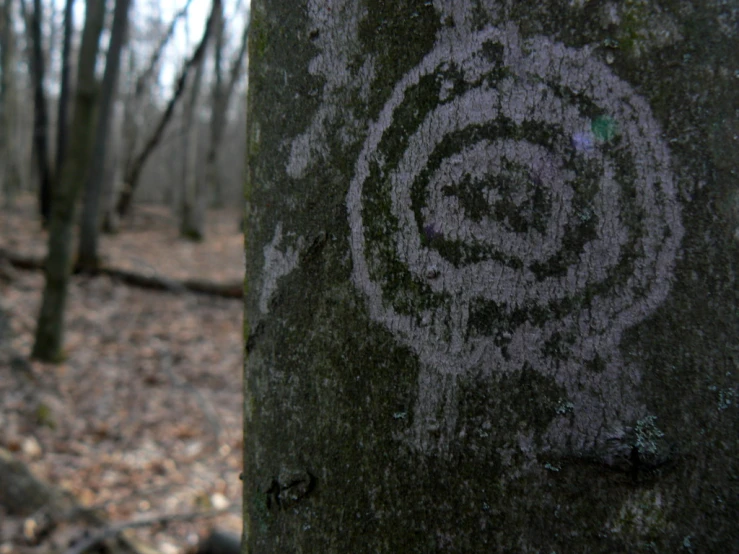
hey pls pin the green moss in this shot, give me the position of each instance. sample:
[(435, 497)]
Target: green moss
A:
[(604, 128), (642, 517), (45, 416), (258, 36)]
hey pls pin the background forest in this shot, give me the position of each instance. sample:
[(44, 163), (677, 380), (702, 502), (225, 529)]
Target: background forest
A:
[(121, 266)]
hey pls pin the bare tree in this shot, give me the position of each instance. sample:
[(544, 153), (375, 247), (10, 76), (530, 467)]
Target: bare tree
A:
[(132, 172), (41, 119), (88, 246), (191, 183), (10, 174), (132, 122), (50, 327), (63, 108), (221, 96)]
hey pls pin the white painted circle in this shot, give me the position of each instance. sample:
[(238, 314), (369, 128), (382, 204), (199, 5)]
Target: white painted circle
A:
[(516, 110)]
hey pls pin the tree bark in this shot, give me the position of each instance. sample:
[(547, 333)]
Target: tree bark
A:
[(491, 277), (220, 98), (191, 225), (89, 228), (63, 108), (217, 109), (10, 173), (50, 326), (40, 119)]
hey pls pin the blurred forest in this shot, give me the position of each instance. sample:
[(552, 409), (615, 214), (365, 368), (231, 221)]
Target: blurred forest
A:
[(122, 131)]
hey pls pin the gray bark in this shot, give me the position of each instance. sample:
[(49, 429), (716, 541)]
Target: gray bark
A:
[(10, 172), (192, 221), (63, 108), (129, 135), (88, 258), (221, 96), (40, 117), (492, 254), (49, 339)]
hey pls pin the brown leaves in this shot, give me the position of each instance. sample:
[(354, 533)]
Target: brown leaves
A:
[(146, 408)]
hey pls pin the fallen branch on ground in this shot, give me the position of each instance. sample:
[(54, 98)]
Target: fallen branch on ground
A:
[(152, 281), (114, 530)]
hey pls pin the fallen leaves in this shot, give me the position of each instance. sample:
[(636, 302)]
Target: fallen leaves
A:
[(144, 415)]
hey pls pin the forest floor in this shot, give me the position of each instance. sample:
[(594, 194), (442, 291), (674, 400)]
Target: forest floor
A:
[(144, 416)]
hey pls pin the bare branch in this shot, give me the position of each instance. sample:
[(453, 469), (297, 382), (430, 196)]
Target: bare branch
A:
[(157, 54), (133, 172)]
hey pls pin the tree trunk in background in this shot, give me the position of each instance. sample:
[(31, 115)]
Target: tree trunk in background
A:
[(41, 119), (89, 227), (492, 261), (220, 98), (192, 197), (217, 108), (130, 128), (10, 172), (190, 182), (63, 108), (50, 327), (131, 119)]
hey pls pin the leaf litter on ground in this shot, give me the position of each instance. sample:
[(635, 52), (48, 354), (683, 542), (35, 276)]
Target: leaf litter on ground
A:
[(143, 416)]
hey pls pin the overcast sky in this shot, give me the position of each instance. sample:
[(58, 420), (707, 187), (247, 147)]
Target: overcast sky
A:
[(182, 45), (187, 33)]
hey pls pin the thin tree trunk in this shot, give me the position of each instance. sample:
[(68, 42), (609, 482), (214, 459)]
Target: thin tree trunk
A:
[(50, 327), (134, 102), (41, 119), (217, 111), (492, 269), (221, 97), (10, 173), (133, 172), (130, 128), (88, 247), (191, 182), (63, 108)]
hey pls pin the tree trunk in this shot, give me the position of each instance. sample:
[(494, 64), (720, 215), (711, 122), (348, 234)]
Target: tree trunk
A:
[(129, 134), (492, 255), (10, 172), (50, 327), (132, 120), (218, 105), (63, 108), (191, 226), (220, 98), (89, 227), (40, 119)]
